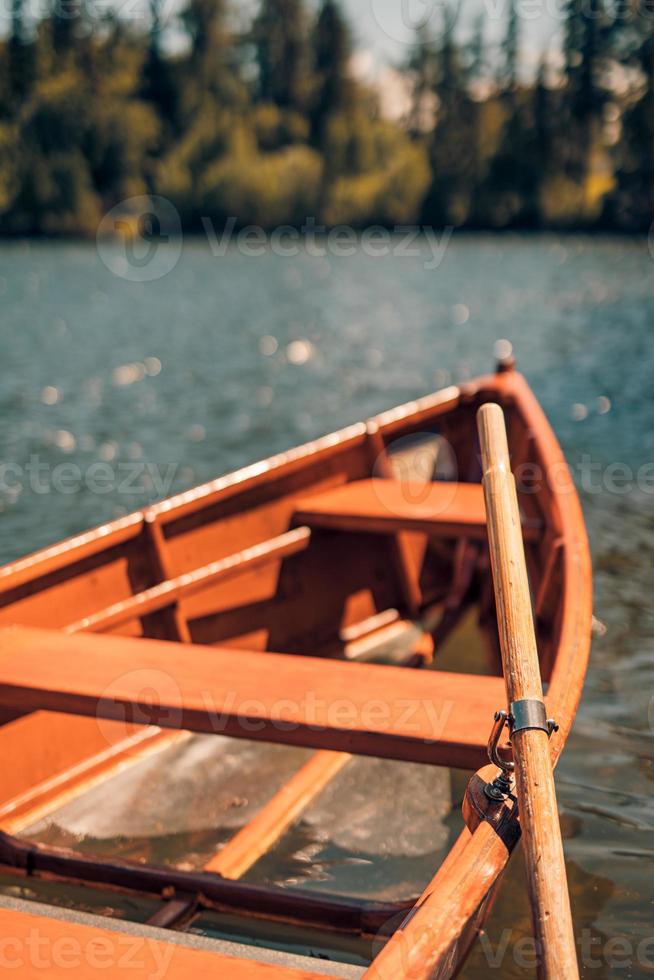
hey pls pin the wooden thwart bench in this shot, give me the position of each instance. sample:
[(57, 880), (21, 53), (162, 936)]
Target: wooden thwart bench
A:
[(439, 509), (390, 712)]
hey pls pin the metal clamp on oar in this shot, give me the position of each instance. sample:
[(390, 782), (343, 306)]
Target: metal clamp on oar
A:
[(530, 713), (527, 713)]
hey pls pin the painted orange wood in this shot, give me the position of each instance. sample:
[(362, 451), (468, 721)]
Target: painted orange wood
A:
[(170, 591), (49, 746), (43, 798), (169, 621), (34, 947), (436, 935), (439, 509), (59, 555), (404, 556), (435, 717)]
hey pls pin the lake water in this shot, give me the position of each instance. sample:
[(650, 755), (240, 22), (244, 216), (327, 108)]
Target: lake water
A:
[(228, 359)]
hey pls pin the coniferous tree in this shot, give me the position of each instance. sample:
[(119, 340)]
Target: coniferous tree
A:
[(544, 112), (509, 194), (158, 84), (333, 89), (212, 62), (20, 55), (632, 204), (422, 67), (453, 143), (66, 19), (476, 51), (281, 38), (510, 52), (587, 50)]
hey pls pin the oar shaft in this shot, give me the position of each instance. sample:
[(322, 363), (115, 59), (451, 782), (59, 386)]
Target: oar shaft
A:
[(539, 819)]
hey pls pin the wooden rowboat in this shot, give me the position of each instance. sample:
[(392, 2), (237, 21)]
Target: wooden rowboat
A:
[(283, 604)]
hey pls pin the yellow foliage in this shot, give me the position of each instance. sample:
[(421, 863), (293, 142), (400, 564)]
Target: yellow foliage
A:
[(9, 167), (266, 120), (69, 204), (392, 195), (354, 200), (267, 189), (214, 136), (598, 185), (565, 202), (561, 201), (275, 127), (407, 181)]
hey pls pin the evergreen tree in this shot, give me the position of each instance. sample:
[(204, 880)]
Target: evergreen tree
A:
[(212, 63), (66, 18), (333, 90), (422, 66), (20, 55), (158, 82), (587, 50), (453, 143), (632, 204), (543, 113), (280, 34), (510, 49), (476, 60)]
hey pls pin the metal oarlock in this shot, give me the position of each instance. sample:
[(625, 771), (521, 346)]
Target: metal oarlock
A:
[(500, 788), (524, 714)]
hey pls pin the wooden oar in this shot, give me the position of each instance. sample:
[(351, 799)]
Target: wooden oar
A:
[(539, 818)]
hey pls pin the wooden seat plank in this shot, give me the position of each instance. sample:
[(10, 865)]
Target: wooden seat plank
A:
[(439, 509), (368, 709)]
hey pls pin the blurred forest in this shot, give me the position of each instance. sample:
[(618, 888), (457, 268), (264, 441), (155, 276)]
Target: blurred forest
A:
[(266, 121)]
